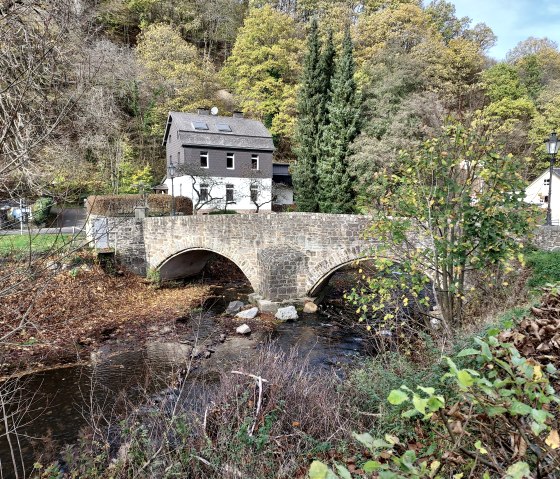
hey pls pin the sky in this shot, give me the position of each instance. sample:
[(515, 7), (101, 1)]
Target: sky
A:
[(513, 20)]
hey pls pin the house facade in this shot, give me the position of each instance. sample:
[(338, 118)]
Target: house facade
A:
[(221, 162), (537, 193)]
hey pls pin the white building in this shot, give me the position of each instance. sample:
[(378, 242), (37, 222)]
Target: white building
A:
[(220, 162), (537, 193)]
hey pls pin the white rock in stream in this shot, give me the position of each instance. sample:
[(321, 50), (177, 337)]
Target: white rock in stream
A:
[(248, 313), (286, 314), (243, 329)]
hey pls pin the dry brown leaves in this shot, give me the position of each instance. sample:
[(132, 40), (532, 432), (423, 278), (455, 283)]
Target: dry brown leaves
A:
[(538, 337), (70, 312)]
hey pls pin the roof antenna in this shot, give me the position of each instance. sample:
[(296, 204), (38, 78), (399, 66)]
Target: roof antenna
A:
[(214, 110)]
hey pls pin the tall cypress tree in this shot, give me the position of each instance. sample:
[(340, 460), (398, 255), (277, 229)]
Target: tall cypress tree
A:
[(326, 73), (308, 126), (335, 192)]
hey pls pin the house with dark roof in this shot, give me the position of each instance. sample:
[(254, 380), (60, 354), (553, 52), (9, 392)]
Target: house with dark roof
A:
[(537, 193), (219, 161)]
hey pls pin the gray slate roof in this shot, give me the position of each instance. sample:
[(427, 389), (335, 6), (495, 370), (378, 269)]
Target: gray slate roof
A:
[(245, 133)]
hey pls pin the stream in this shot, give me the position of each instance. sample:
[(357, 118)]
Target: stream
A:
[(59, 401)]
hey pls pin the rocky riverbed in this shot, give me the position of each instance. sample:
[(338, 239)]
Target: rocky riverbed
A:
[(61, 401)]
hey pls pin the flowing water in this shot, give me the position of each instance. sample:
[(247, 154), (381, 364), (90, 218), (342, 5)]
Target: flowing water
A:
[(60, 401)]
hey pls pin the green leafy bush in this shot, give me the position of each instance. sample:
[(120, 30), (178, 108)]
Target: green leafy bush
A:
[(376, 377), (41, 210), (504, 422)]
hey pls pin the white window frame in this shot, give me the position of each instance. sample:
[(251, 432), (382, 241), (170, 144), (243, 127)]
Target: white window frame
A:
[(207, 156), (258, 158), (546, 181), (232, 156)]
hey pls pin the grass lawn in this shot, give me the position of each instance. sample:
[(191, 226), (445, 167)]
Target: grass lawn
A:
[(17, 245), (545, 266)]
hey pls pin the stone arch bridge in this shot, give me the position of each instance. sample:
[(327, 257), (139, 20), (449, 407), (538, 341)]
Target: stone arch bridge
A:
[(284, 256)]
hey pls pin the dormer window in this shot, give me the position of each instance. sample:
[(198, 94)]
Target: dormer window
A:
[(254, 162), (223, 127), (199, 125)]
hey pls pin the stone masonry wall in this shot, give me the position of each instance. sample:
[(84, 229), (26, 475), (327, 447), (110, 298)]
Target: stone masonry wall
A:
[(284, 256), (126, 236), (547, 238), (259, 245)]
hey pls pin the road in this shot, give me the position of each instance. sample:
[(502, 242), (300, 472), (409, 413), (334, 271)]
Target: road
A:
[(69, 221)]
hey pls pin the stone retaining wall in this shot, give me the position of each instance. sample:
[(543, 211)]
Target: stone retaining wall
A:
[(547, 238)]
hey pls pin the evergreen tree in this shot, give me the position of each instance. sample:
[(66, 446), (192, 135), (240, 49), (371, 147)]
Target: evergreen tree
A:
[(326, 73), (308, 125), (336, 192)]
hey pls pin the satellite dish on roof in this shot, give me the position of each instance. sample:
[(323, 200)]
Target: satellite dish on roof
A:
[(214, 110)]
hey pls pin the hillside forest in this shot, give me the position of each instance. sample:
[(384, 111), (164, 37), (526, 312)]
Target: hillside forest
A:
[(86, 85)]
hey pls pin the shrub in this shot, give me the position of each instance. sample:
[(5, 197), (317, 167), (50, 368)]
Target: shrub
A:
[(123, 205), (41, 210), (502, 421), (369, 385)]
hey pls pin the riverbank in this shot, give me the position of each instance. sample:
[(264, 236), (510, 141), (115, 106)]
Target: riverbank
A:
[(64, 313)]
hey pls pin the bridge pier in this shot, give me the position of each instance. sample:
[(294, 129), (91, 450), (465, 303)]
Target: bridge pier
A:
[(282, 271)]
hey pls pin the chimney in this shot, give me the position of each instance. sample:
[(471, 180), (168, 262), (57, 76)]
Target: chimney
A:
[(203, 111), (238, 114)]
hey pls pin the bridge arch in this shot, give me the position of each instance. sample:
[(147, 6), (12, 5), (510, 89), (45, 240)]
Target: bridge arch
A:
[(324, 279), (323, 271), (191, 261)]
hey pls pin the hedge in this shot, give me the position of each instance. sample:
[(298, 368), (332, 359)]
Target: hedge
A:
[(123, 205)]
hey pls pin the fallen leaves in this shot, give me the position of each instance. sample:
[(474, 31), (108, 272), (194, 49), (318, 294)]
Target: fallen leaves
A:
[(71, 314), (538, 337)]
